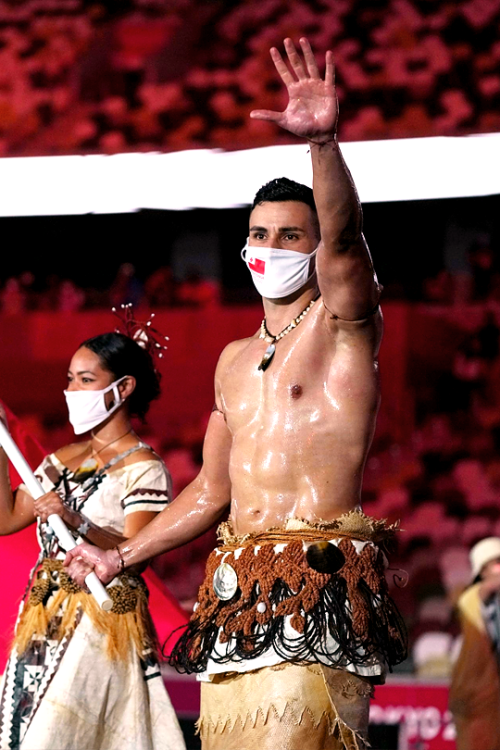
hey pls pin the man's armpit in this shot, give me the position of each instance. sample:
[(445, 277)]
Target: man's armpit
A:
[(219, 411), (370, 314)]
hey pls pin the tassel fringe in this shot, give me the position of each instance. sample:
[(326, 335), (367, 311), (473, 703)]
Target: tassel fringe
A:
[(33, 623), (131, 626)]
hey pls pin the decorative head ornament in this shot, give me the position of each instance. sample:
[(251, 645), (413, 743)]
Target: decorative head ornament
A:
[(142, 333)]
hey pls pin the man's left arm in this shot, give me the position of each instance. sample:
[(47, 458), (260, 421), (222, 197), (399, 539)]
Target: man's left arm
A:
[(346, 277)]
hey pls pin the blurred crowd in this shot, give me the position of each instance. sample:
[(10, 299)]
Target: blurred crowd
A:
[(160, 289), (85, 76), (444, 482), (477, 279)]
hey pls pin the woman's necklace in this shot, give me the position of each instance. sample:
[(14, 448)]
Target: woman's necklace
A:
[(90, 465), (272, 340)]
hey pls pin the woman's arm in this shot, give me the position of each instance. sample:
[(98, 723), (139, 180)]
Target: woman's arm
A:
[(16, 508), (103, 537)]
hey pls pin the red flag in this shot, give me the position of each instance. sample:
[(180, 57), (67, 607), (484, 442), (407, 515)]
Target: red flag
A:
[(18, 552), (257, 265), (27, 444)]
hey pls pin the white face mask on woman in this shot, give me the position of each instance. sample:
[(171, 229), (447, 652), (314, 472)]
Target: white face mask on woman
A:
[(87, 409), (275, 272)]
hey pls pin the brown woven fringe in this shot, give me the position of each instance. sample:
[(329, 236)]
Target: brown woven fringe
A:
[(55, 603), (351, 605)]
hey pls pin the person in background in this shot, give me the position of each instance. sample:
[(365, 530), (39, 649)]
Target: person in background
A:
[(126, 287), (475, 683)]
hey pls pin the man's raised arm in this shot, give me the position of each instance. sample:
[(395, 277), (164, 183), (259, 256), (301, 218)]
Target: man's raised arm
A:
[(195, 510), (346, 277)]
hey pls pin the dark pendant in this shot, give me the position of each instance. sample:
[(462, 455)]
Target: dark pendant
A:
[(87, 469), (325, 557), (268, 355)]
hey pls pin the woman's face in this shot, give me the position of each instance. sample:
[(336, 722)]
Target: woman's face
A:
[(86, 373)]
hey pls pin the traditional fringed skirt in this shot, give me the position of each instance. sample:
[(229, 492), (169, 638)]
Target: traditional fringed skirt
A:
[(300, 596), (56, 603), (290, 706), (79, 678)]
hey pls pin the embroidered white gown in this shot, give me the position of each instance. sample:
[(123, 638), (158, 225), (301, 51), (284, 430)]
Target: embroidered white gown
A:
[(68, 694)]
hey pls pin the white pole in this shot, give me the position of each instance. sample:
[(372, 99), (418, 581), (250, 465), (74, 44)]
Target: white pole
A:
[(59, 527)]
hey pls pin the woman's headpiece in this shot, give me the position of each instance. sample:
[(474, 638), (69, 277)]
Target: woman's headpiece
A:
[(142, 333)]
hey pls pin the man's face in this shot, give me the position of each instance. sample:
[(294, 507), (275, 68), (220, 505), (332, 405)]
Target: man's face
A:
[(287, 225), (492, 568)]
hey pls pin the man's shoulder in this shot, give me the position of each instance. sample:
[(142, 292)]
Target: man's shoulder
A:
[(233, 349), (226, 360)]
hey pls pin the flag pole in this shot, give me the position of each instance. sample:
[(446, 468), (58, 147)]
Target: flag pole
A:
[(58, 526)]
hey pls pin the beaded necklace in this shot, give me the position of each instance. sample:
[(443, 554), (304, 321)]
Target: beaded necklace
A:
[(272, 340)]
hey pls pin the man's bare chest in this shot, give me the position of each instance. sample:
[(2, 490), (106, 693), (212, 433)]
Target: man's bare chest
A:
[(299, 383)]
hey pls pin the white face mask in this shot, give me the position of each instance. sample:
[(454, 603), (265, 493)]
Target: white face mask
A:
[(87, 409), (275, 272)]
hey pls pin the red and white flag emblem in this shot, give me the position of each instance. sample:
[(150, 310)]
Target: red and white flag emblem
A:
[(257, 265)]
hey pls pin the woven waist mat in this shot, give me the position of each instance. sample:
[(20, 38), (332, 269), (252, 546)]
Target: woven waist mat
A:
[(310, 592)]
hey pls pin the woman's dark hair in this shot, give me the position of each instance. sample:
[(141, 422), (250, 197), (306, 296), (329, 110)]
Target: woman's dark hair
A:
[(122, 356)]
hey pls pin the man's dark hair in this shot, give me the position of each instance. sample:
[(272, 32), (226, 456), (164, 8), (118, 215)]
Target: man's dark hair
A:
[(283, 189), (120, 355)]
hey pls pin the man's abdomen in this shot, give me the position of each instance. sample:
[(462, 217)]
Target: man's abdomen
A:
[(302, 474)]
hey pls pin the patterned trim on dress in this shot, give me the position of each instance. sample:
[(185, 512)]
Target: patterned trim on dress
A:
[(26, 682), (148, 491), (145, 501), (149, 496)]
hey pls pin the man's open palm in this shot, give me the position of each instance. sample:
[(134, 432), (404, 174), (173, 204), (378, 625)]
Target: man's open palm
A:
[(312, 109)]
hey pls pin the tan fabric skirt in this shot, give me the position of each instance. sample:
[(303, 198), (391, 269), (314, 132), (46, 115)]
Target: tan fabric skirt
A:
[(287, 707)]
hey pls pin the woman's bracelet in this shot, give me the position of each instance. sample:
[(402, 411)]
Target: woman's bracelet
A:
[(84, 527), (122, 561)]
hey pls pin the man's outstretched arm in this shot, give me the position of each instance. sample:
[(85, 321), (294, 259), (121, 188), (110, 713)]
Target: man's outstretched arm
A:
[(345, 271), (195, 510)]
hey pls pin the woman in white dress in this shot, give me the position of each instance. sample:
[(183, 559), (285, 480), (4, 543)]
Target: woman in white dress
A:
[(79, 678)]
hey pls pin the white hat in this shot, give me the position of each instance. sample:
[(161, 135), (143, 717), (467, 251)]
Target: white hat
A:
[(482, 553)]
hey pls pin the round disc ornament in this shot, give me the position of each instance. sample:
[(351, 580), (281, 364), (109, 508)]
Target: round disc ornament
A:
[(225, 582)]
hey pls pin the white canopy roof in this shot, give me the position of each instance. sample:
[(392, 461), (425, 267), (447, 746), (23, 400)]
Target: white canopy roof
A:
[(391, 170)]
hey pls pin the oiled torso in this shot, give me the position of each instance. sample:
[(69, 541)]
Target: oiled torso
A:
[(301, 429)]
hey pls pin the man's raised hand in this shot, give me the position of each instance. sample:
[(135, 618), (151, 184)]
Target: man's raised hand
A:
[(312, 110)]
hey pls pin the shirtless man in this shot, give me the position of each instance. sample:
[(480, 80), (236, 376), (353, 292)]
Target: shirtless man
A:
[(285, 449)]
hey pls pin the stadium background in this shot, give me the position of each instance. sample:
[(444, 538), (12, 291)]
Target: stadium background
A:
[(150, 76)]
